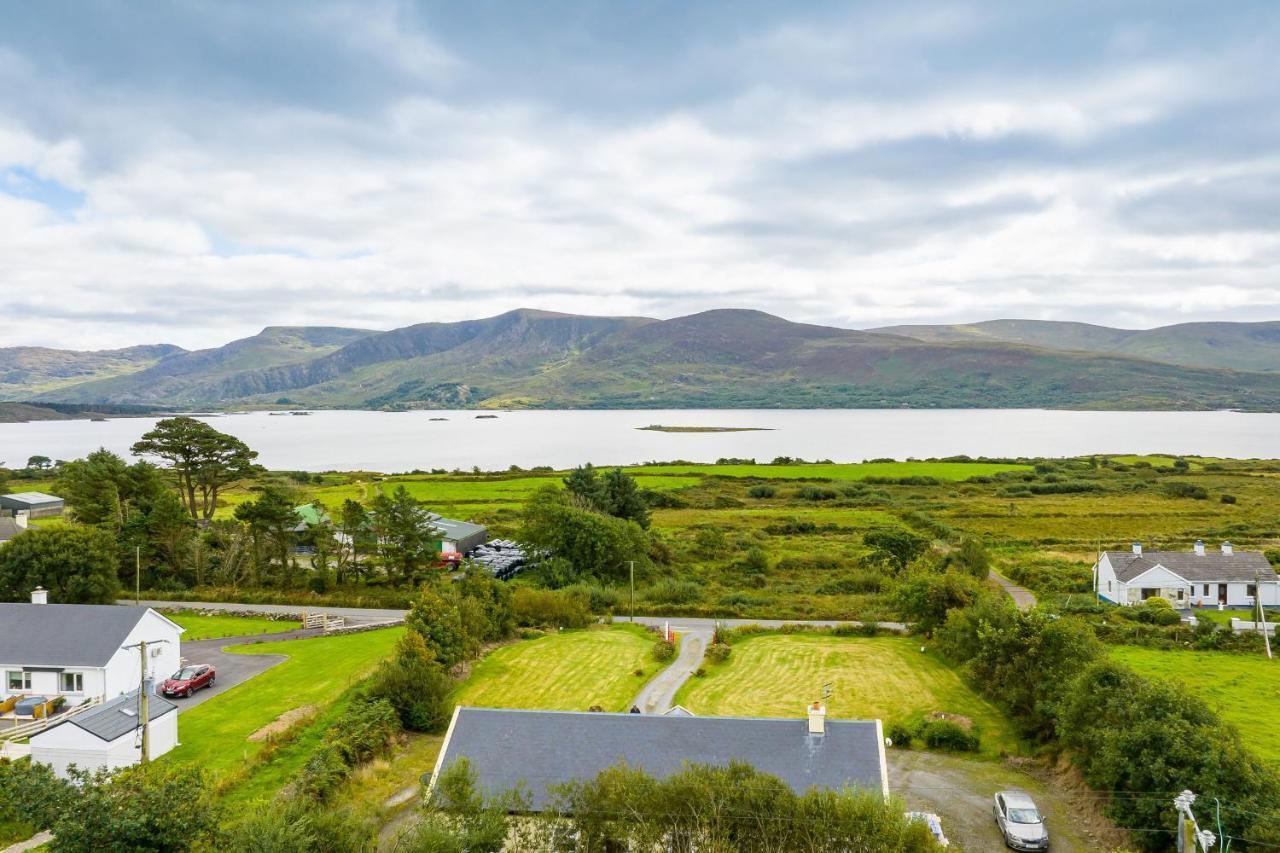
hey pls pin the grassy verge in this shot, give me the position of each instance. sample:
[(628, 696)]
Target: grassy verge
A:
[(570, 671), (201, 627), (885, 677), (1244, 689), (319, 670)]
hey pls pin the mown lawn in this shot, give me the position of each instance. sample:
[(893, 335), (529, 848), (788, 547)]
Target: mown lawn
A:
[(570, 671), (215, 735), (776, 675), (1244, 689), (201, 627)]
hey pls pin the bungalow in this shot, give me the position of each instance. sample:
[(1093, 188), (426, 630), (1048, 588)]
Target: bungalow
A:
[(1195, 578), (542, 749), (82, 651), (108, 736), (35, 504)]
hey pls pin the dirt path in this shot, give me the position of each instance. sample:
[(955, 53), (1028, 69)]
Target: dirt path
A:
[(1023, 597), (656, 696)]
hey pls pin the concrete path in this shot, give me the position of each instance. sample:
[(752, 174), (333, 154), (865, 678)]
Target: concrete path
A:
[(31, 843), (1023, 597), (353, 615), (657, 696)]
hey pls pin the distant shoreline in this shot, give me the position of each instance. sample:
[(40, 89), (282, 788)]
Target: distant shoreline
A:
[(662, 428)]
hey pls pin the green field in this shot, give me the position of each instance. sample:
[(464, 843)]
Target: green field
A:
[(950, 471), (1244, 689), (215, 734), (203, 627), (570, 671), (887, 678)]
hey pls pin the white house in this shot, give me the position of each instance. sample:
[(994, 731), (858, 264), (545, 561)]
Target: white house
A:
[(81, 651), (108, 736), (1195, 578)]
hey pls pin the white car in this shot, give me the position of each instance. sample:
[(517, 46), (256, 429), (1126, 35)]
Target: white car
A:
[(1020, 822)]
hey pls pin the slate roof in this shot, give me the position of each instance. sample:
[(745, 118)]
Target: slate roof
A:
[(457, 531), (1214, 566), (33, 498), (544, 748), (64, 634), (9, 528), (118, 717)]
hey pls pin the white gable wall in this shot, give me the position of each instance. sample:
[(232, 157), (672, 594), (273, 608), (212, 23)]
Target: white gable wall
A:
[(67, 744), (122, 671)]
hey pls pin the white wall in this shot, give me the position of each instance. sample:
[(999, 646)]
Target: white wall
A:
[(69, 744), (122, 673)]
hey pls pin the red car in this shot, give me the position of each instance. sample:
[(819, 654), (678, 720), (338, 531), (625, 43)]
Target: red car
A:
[(188, 680)]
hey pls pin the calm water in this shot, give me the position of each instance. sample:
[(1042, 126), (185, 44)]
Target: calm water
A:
[(391, 441)]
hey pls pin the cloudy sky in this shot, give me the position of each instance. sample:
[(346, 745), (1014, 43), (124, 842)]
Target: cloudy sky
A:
[(190, 172)]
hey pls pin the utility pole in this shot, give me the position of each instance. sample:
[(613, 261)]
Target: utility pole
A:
[(632, 564), (137, 574), (144, 699), (1261, 618), (1203, 839)]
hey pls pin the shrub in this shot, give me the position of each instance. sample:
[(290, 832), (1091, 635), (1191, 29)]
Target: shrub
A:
[(852, 584), (761, 491), (1186, 490), (415, 685), (817, 493), (754, 562), (718, 652), (949, 736), (365, 731), (549, 608), (672, 591), (322, 774), (664, 651), (1227, 499), (900, 733), (700, 672)]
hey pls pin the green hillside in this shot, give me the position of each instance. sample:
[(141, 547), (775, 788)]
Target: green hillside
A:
[(27, 371), (1231, 346)]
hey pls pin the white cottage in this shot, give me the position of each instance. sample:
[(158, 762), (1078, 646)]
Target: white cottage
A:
[(1195, 578), (81, 651), (108, 736)]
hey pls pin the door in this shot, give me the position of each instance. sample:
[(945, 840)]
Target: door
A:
[(1222, 593), (1149, 592)]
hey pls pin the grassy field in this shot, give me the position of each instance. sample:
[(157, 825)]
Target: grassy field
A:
[(215, 734), (202, 627), (570, 671), (1244, 689), (884, 677)]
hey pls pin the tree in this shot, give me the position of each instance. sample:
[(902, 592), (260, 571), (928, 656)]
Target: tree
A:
[(925, 597), (356, 537), (415, 684), (76, 564), (40, 463), (896, 548), (584, 485), (103, 489), (972, 558), (405, 535), (204, 460), (162, 806), (271, 521), (436, 619), (595, 545), (622, 498)]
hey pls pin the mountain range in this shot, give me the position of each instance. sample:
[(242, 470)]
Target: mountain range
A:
[(721, 358)]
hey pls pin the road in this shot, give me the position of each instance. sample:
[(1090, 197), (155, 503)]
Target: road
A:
[(1023, 597), (658, 695), (697, 623), (353, 615)]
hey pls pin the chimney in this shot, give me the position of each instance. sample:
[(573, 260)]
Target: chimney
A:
[(817, 719), (1137, 549), (20, 518), (39, 595), (1199, 547), (1226, 549)]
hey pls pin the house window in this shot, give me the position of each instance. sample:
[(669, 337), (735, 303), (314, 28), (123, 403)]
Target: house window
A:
[(1251, 590), (1206, 589), (18, 681), (1108, 586), (1180, 595), (73, 682)]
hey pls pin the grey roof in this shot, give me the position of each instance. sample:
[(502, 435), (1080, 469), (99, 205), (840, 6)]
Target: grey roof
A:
[(457, 531), (8, 528), (120, 716), (64, 634), (33, 498), (1214, 566), (544, 748)]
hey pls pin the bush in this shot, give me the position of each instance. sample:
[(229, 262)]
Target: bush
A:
[(545, 608), (1186, 490), (754, 562), (761, 492), (672, 591), (1227, 499), (900, 733), (322, 774), (365, 731), (853, 584), (664, 651), (415, 685), (817, 493), (949, 736), (718, 652)]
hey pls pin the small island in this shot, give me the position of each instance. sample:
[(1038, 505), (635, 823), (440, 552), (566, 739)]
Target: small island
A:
[(662, 428)]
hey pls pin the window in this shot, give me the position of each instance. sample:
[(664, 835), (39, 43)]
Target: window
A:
[(1206, 589), (1251, 590), (73, 682), (1179, 595), (1108, 586), (18, 681)]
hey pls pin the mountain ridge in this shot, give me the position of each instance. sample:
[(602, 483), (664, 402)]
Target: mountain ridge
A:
[(716, 358)]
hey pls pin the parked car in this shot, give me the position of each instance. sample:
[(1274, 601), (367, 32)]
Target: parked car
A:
[(188, 680), (1020, 822)]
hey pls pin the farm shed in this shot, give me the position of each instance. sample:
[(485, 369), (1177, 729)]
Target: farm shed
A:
[(108, 736), (35, 504), (458, 537), (540, 749)]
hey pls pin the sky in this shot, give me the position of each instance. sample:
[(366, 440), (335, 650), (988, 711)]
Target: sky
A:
[(189, 172)]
